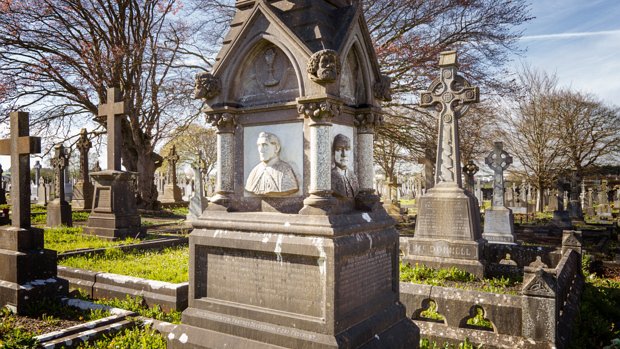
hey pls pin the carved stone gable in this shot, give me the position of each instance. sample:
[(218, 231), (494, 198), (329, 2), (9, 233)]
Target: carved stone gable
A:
[(541, 284)]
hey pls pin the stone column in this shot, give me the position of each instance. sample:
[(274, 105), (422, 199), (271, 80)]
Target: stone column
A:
[(366, 121), (226, 122), (319, 113)]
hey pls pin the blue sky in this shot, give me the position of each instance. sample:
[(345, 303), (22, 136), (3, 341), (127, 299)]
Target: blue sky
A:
[(579, 41)]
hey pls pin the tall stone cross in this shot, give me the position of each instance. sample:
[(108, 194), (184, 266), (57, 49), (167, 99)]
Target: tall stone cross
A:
[(114, 110), (83, 145), (498, 160), (453, 94), (60, 161), (19, 146), (470, 169), (172, 159)]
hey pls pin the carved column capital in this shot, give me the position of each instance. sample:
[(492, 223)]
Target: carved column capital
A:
[(366, 120), (319, 111), (224, 120)]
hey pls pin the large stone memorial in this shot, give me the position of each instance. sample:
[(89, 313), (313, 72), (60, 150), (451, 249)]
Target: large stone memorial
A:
[(83, 189), (27, 269), (294, 249), (198, 202), (498, 220), (114, 213), (59, 210), (447, 231)]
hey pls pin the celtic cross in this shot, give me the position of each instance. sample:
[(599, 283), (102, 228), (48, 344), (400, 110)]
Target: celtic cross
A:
[(498, 160), (83, 145), (452, 94), (172, 159), (59, 162)]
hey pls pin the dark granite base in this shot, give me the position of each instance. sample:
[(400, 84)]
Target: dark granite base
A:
[(19, 297), (82, 196), (113, 227), (435, 253)]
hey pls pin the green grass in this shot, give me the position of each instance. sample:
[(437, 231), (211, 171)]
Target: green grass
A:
[(138, 337), (137, 305), (431, 312), (169, 265), (428, 344), (407, 201), (80, 216), (65, 239), (180, 211)]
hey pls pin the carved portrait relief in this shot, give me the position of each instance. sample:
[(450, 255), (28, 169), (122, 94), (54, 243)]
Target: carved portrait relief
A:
[(272, 176), (266, 77), (344, 180)]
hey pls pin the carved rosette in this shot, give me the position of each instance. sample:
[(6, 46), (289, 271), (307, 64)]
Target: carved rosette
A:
[(206, 86), (324, 66), (382, 88), (225, 122), (320, 112), (367, 121)]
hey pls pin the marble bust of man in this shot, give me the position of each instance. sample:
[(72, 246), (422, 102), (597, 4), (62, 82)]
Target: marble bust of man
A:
[(344, 181), (272, 176)]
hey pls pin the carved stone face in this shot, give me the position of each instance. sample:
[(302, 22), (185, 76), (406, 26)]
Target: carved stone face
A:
[(342, 151), (266, 150), (327, 68)]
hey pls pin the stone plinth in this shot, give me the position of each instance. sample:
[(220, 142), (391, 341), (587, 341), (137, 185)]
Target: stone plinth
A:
[(447, 231), (82, 196), (59, 213), (114, 213), (172, 194), (294, 281), (499, 226)]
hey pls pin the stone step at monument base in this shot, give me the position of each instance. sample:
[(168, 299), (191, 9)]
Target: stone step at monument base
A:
[(499, 226), (373, 333), (21, 267), (172, 194), (436, 253), (59, 213), (20, 297), (113, 226)]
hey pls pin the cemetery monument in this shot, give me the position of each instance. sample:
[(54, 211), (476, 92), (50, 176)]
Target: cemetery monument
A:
[(470, 169), (28, 272), (83, 189), (172, 192), (59, 210), (114, 213), (278, 258), (198, 202), (498, 220), (447, 231)]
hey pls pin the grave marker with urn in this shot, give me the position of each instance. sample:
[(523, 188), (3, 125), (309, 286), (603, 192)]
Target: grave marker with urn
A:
[(447, 231), (59, 210), (114, 213), (27, 270), (498, 220)]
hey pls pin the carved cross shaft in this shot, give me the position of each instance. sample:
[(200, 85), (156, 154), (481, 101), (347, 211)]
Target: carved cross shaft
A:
[(83, 145), (172, 159), (60, 161), (452, 93), (19, 147), (114, 110), (498, 160)]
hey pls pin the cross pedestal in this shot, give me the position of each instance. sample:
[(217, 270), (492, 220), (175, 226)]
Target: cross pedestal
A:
[(114, 212), (59, 210), (448, 224), (498, 220), (27, 270), (83, 189)]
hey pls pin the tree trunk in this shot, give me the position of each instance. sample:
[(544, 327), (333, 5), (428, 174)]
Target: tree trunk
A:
[(541, 197)]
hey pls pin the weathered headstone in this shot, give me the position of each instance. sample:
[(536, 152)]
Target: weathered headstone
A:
[(498, 220), (603, 210), (114, 213), (447, 231), (470, 169), (42, 193), (28, 272), (172, 192), (59, 210), (575, 210), (561, 218), (198, 202), (294, 250), (83, 189), (589, 207)]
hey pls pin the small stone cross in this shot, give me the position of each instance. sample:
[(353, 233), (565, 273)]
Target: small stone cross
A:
[(19, 146), (60, 161), (470, 169), (452, 93), (83, 145), (172, 159), (114, 110), (498, 160)]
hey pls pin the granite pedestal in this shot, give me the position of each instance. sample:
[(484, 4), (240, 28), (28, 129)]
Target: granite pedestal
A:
[(294, 281), (114, 213), (82, 196), (499, 226)]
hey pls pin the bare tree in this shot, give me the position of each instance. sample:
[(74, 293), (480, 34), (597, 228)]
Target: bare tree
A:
[(57, 57), (191, 141)]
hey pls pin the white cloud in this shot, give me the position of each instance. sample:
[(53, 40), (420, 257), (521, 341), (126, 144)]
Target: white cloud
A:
[(560, 36)]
